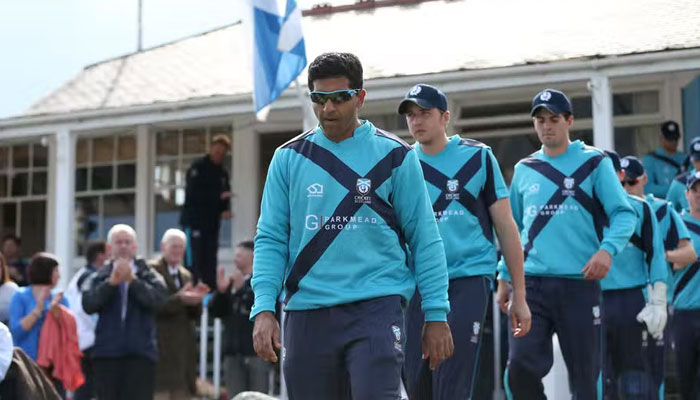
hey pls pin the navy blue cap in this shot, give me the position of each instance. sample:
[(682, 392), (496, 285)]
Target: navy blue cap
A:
[(695, 178), (426, 97), (694, 149), (553, 100), (633, 168), (615, 158), (670, 130)]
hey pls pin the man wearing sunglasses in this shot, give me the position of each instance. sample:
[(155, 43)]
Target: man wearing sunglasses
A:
[(640, 264), (342, 206), (678, 253), (470, 199), (561, 196)]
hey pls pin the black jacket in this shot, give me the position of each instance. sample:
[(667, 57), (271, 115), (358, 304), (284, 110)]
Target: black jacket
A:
[(234, 309), (136, 334), (203, 204)]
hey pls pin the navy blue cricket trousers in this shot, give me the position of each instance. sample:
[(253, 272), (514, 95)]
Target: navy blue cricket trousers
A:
[(350, 351), (571, 309), (686, 338), (453, 378)]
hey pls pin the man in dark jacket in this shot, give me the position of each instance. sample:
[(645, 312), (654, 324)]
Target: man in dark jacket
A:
[(125, 294), (207, 201), (232, 302)]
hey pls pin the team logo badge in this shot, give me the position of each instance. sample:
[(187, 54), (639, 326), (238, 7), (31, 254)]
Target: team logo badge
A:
[(696, 146), (545, 96), (596, 312), (534, 188), (476, 328), (315, 190), (363, 185), (452, 185), (569, 183), (624, 163), (671, 128), (414, 91)]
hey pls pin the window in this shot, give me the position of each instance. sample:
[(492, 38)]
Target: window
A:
[(105, 181), (23, 188), (175, 150)]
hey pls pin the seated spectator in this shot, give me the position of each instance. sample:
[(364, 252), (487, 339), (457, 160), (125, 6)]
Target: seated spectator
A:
[(96, 255), (176, 373), (30, 304), (7, 289), (232, 301), (17, 267), (125, 294)]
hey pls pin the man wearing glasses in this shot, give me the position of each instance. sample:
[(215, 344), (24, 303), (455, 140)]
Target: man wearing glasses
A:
[(640, 264), (343, 204)]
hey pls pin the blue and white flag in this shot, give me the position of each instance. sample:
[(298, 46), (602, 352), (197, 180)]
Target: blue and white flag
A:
[(279, 53)]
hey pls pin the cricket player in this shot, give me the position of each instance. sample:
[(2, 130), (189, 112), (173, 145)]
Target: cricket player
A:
[(686, 303), (677, 191), (343, 205), (562, 197), (666, 162), (626, 310), (470, 199)]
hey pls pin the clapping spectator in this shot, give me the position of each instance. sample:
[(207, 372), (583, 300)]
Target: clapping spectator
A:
[(125, 294), (176, 372)]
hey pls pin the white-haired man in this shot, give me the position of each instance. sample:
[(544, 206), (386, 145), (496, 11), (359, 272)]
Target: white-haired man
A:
[(176, 372), (125, 294)]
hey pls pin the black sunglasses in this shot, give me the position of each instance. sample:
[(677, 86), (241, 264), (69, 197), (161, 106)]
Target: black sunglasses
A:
[(336, 96)]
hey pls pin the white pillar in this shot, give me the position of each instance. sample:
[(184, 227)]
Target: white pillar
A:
[(63, 202), (246, 160), (144, 196), (601, 97)]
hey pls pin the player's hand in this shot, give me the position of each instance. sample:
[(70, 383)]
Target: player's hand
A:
[(520, 317), (266, 336), (237, 278), (115, 277), (503, 295), (598, 266), (437, 342)]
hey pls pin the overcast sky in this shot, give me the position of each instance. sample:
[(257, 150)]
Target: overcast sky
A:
[(45, 43)]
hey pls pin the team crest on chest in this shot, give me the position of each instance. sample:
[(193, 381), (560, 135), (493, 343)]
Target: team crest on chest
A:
[(453, 185), (569, 184), (363, 185)]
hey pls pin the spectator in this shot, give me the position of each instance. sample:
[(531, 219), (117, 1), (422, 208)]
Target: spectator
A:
[(20, 377), (7, 289), (207, 195), (30, 304), (176, 371), (17, 267), (125, 294), (232, 302), (96, 255)]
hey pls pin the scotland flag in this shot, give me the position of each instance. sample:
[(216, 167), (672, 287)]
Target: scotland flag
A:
[(279, 53)]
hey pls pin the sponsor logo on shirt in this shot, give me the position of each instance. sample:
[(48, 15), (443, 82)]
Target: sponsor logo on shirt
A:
[(315, 190), (337, 222), (442, 216), (550, 209)]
